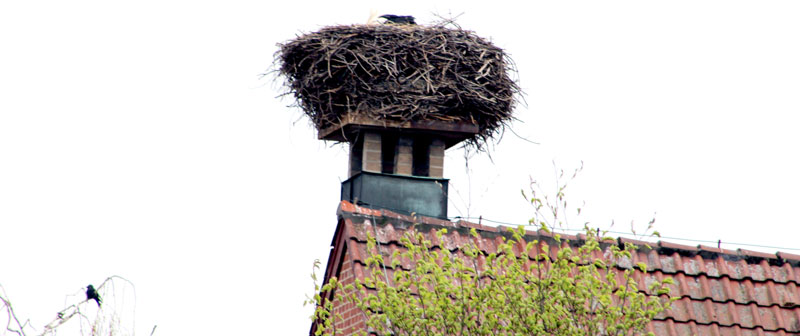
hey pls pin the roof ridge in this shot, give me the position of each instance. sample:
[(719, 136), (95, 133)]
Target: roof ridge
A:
[(347, 207)]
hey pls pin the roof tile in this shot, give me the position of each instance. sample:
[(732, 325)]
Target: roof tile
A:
[(693, 265), (788, 256), (673, 246), (478, 227), (685, 329), (710, 249), (721, 292), (756, 254)]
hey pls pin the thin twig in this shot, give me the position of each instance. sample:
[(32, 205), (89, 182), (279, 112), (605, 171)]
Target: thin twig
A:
[(400, 73)]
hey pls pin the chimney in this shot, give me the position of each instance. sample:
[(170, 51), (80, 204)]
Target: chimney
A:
[(399, 95), (398, 166)]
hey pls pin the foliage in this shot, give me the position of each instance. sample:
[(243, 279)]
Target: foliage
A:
[(535, 292), (545, 286)]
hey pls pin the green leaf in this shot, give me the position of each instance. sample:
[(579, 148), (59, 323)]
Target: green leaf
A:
[(506, 291)]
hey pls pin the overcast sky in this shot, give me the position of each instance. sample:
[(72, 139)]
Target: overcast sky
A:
[(137, 139)]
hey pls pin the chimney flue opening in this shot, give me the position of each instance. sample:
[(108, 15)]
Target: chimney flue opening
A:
[(420, 155), (388, 151)]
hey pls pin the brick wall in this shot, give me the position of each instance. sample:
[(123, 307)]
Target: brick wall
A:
[(403, 160), (350, 319), (371, 160), (406, 155), (436, 161)]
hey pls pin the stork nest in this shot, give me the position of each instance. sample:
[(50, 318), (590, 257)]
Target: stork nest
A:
[(400, 73)]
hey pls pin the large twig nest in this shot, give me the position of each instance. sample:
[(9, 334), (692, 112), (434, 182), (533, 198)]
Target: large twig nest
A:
[(399, 73)]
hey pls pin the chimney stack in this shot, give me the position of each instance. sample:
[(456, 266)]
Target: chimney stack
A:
[(398, 166), (400, 95)]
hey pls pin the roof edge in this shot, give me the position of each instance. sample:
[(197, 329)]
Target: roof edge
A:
[(707, 252)]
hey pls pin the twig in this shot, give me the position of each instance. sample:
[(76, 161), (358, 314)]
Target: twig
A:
[(13, 316), (401, 73)]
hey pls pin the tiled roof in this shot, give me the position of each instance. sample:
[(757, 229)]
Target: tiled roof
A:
[(721, 292)]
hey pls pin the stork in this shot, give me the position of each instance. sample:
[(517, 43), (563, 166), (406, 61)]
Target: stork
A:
[(398, 19)]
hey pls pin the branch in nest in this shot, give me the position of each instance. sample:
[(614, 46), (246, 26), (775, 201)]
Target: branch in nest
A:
[(400, 73)]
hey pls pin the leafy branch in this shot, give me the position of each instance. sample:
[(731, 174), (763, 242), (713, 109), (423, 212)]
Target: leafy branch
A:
[(534, 284)]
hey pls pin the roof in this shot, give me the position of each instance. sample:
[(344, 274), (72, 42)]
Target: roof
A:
[(720, 291)]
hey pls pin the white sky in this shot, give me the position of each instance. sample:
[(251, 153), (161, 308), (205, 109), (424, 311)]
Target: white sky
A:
[(136, 139)]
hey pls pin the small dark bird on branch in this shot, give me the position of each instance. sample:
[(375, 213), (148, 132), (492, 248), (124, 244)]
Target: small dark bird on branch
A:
[(398, 19), (91, 294)]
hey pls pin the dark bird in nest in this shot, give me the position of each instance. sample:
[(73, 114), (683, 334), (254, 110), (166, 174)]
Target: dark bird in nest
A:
[(398, 19), (91, 294)]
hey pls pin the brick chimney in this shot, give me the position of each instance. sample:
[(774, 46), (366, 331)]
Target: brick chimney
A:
[(398, 166), (392, 153), (399, 95)]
